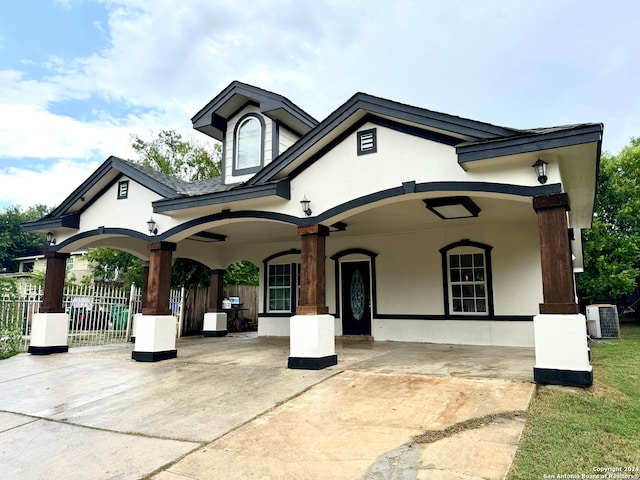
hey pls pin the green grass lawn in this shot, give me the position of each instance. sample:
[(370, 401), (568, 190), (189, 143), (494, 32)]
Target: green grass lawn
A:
[(574, 431)]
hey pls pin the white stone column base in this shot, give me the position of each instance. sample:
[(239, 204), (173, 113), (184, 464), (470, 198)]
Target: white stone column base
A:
[(312, 342), (562, 353), (49, 333), (134, 321), (155, 338), (215, 324)]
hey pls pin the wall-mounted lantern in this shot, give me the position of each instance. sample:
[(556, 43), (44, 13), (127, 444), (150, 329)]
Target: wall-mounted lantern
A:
[(541, 170), (151, 225), (305, 203)]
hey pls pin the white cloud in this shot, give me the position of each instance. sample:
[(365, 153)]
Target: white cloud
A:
[(51, 183), (520, 64), (31, 131)]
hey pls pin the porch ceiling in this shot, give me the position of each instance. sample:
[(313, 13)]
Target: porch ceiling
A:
[(412, 215), (250, 232), (401, 216)]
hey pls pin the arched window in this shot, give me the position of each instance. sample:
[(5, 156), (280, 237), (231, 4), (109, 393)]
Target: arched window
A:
[(466, 276), (248, 144)]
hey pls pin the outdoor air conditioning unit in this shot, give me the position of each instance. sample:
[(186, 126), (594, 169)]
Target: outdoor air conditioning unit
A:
[(602, 321)]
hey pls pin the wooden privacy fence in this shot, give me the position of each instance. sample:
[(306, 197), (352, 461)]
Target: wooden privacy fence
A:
[(248, 295), (196, 300)]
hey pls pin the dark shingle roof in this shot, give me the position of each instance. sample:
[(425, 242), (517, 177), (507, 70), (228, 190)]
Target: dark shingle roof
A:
[(182, 187)]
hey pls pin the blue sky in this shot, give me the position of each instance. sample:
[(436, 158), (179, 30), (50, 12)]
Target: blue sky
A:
[(79, 77)]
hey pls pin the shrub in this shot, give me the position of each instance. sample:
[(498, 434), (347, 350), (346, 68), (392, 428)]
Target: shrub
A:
[(10, 321)]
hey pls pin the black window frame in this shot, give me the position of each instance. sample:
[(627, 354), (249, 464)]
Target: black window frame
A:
[(362, 136), (481, 248), (235, 171), (123, 189)]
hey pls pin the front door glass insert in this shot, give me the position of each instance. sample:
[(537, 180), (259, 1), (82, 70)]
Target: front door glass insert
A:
[(357, 295)]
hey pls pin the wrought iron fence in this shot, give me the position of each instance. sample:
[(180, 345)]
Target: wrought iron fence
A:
[(98, 315)]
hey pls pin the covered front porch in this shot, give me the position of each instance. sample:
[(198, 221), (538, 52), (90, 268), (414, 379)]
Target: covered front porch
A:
[(383, 220), (398, 249)]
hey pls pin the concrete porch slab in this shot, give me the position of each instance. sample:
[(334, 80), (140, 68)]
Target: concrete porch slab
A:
[(95, 409), (339, 428)]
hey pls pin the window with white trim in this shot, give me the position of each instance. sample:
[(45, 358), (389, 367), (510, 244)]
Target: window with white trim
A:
[(466, 276), (248, 143), (283, 286), (467, 283)]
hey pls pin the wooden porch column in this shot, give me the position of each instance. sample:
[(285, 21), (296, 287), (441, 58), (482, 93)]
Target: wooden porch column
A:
[(215, 291), (159, 282), (312, 329), (555, 254), (54, 282), (50, 327), (145, 283), (312, 271)]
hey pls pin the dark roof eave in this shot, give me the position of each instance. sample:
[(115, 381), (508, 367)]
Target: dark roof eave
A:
[(121, 166), (68, 221), (268, 101), (280, 189), (531, 142), (362, 101)]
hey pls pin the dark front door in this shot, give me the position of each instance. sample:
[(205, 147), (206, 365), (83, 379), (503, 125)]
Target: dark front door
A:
[(356, 298)]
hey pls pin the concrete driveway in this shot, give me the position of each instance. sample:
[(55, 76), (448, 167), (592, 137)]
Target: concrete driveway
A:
[(229, 408)]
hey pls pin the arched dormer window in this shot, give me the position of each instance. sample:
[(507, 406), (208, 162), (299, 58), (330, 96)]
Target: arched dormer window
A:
[(249, 145)]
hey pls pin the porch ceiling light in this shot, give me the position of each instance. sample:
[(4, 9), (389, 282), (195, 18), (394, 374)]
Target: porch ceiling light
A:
[(51, 239), (305, 204), (151, 225), (540, 168), (450, 208)]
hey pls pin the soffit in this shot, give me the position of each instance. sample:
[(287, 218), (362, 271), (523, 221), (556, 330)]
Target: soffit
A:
[(408, 215)]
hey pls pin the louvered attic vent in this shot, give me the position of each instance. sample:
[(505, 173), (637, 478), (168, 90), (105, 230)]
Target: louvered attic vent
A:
[(367, 141)]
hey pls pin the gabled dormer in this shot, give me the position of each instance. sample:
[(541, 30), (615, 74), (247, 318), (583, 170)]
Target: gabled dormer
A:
[(254, 126)]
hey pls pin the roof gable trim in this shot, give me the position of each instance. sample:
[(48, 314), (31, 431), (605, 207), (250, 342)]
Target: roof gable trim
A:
[(280, 189), (268, 102), (463, 128), (121, 166), (68, 221), (471, 152)]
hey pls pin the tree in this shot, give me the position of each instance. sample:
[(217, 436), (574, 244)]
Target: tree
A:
[(186, 159), (611, 247), (168, 153), (611, 264), (185, 271), (16, 243), (242, 273), (10, 318), (115, 266)]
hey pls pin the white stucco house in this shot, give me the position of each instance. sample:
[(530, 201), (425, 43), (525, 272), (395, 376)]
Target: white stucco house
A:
[(384, 219)]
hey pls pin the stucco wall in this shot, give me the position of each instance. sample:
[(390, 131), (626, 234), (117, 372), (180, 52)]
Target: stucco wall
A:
[(128, 213), (409, 268), (409, 283), (399, 158)]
